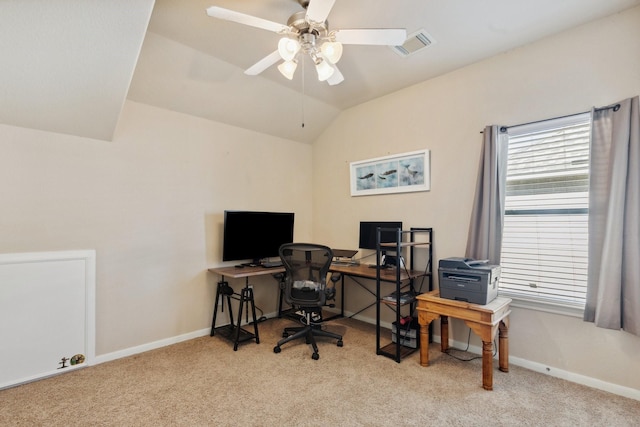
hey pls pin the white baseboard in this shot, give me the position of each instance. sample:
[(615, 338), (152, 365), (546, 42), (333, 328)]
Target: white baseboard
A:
[(538, 367), (524, 363), (150, 346), (161, 343), (577, 378), (557, 373)]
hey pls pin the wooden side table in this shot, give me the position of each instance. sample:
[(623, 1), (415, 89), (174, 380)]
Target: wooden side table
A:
[(484, 320)]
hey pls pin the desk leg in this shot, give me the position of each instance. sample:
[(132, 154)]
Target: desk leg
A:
[(238, 328), (281, 285), (503, 345), (342, 296), (444, 333), (424, 344), (487, 365), (216, 305), (253, 313), (424, 320)]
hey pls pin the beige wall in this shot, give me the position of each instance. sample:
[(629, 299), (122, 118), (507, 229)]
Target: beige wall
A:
[(596, 64), (151, 204)]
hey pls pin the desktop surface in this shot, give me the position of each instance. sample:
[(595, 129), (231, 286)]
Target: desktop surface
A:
[(248, 271), (365, 271), (359, 270)]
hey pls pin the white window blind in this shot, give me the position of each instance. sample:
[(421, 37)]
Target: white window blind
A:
[(544, 247)]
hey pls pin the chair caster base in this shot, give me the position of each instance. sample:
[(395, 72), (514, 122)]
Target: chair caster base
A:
[(277, 349), (339, 343), (315, 356)]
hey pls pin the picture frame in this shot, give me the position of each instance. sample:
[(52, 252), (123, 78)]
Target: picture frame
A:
[(400, 173)]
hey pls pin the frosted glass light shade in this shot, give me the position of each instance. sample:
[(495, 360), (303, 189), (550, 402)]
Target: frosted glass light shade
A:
[(325, 70), (287, 48), (332, 51), (287, 68)]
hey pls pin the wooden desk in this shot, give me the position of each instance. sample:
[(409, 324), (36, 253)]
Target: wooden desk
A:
[(233, 331), (364, 271), (237, 273), (402, 278), (367, 272), (484, 320)]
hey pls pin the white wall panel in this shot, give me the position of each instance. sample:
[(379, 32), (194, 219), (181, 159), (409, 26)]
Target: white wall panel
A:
[(46, 314)]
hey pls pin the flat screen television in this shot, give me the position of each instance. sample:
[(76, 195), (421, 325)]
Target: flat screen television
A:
[(369, 229), (252, 235)]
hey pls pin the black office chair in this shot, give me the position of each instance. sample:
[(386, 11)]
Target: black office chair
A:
[(305, 290)]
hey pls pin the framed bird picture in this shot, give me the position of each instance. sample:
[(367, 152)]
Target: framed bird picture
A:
[(400, 173)]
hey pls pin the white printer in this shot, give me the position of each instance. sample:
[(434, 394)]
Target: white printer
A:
[(465, 279)]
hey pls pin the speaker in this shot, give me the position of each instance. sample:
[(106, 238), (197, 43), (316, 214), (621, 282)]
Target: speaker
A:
[(225, 289)]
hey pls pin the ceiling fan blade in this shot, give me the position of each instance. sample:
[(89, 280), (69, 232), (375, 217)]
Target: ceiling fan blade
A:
[(336, 77), (263, 64), (381, 36), (241, 18), (318, 10)]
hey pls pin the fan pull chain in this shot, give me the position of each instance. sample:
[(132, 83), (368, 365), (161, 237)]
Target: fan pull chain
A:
[(302, 109)]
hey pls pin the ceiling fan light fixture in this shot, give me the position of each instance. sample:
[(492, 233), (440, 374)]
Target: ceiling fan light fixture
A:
[(288, 48), (307, 34), (332, 51), (325, 70), (288, 68)]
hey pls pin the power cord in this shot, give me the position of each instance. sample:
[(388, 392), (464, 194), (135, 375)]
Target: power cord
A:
[(237, 297), (262, 317), (466, 349)]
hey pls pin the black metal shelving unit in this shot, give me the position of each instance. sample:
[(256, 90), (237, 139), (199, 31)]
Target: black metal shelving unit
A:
[(406, 247)]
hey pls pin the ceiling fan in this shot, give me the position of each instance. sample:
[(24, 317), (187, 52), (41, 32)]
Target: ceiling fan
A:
[(307, 33)]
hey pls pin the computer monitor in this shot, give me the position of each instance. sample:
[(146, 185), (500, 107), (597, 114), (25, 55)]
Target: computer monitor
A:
[(252, 235), (369, 230)]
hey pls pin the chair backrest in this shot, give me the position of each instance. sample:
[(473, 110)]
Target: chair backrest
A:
[(306, 267)]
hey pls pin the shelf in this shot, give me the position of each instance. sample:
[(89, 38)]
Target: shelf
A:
[(419, 241), (404, 244), (229, 332), (390, 349), (395, 304), (404, 299)]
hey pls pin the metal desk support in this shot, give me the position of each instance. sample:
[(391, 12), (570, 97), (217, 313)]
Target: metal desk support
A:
[(234, 331)]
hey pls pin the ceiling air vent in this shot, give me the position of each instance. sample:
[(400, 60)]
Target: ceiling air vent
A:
[(414, 43)]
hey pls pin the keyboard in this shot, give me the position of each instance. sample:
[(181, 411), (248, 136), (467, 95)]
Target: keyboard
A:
[(342, 262), (272, 264)]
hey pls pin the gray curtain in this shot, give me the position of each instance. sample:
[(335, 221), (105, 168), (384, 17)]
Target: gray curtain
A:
[(487, 217), (613, 284)]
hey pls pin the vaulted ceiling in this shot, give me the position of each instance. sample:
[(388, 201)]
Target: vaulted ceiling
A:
[(68, 66)]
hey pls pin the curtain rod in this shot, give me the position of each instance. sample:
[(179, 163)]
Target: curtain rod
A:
[(615, 107)]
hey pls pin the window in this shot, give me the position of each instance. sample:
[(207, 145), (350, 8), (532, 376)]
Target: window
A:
[(544, 246)]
